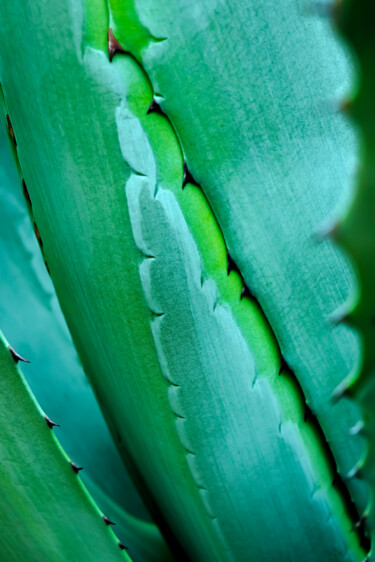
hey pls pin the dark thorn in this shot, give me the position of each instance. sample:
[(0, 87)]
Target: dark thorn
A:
[(341, 318), (245, 292), (26, 193), (108, 521), (284, 367), (11, 131), (155, 108), (341, 315), (122, 546), (190, 452), (157, 314), (173, 383), (356, 472), (231, 265), (47, 268), (342, 391), (158, 39), (113, 45), (188, 178), (148, 256), (75, 468), (16, 356), (51, 423), (37, 234), (308, 415)]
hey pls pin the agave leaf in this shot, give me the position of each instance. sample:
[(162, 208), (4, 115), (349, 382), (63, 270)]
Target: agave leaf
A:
[(356, 232), (186, 372), (34, 323), (143, 538), (213, 370), (253, 94), (46, 513)]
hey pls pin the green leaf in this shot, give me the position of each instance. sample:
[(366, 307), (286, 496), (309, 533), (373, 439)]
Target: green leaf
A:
[(45, 511), (34, 323), (252, 93), (187, 373)]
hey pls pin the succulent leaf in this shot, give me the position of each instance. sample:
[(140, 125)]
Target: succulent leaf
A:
[(177, 358), (45, 511), (257, 121), (33, 320)]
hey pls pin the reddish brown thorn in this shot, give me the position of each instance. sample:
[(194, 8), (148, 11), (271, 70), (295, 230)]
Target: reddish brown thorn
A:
[(26, 193), (50, 423), (47, 268), (10, 131), (37, 234), (155, 108), (122, 546), (16, 356), (75, 468), (346, 106), (113, 45), (188, 178), (108, 521)]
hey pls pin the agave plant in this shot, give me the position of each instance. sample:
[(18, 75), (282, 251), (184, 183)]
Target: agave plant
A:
[(192, 183)]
